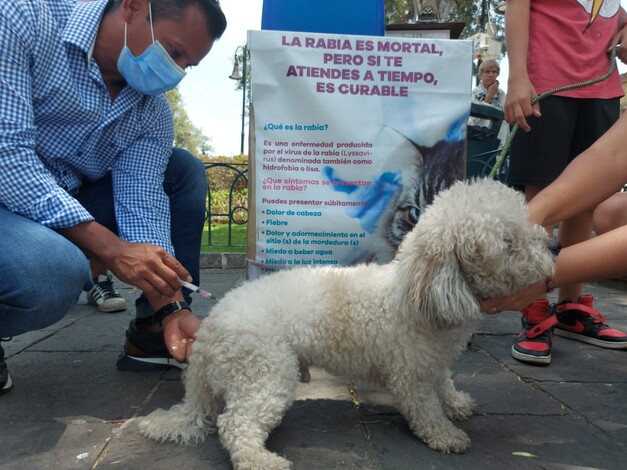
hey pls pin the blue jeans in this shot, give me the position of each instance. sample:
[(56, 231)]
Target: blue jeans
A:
[(42, 273)]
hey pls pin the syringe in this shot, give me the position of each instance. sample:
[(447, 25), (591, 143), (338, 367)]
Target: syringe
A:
[(198, 290)]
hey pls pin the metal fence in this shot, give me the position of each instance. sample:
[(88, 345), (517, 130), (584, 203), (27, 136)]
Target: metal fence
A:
[(227, 203)]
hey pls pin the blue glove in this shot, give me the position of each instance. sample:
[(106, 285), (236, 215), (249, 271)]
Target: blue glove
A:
[(376, 196)]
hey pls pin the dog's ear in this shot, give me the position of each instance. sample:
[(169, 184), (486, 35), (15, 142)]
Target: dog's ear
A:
[(447, 302), (434, 291)]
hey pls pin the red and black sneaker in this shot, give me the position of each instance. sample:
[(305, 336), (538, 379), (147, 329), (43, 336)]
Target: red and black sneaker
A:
[(534, 342), (581, 322)]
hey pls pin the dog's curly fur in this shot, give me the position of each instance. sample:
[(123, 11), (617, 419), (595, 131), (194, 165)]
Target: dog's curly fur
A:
[(399, 325)]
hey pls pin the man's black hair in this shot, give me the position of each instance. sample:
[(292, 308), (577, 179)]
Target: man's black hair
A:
[(216, 21)]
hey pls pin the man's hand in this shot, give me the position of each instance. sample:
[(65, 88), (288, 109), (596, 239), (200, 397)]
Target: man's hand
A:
[(179, 332), (150, 268)]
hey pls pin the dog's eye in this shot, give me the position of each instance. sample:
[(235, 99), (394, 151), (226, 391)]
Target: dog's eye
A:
[(409, 216), (412, 215)]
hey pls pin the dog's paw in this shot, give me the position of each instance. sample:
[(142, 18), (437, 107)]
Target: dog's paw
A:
[(162, 425), (156, 426), (461, 406), (262, 460), (151, 423), (448, 440)]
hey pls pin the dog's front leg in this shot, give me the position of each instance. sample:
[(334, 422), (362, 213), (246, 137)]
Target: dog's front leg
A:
[(418, 401), (457, 405)]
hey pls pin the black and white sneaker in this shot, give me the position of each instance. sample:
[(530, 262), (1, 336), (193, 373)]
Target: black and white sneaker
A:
[(6, 383), (105, 296)]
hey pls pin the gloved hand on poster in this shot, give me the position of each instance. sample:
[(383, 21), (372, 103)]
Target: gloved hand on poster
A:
[(375, 197)]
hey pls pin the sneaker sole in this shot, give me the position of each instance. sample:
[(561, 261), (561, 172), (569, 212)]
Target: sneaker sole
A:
[(530, 359), (147, 364), (114, 309), (586, 339), (7, 386), (111, 308)]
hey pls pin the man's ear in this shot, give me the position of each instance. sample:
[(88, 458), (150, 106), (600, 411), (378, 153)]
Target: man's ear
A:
[(132, 9)]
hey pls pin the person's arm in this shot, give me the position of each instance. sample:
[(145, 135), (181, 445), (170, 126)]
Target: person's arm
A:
[(489, 96), (520, 90), (28, 187), (143, 215), (601, 257), (148, 267), (621, 37), (589, 179)]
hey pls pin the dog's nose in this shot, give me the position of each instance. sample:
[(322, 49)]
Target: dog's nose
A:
[(555, 247)]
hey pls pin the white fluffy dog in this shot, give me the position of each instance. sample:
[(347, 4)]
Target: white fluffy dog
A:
[(399, 325)]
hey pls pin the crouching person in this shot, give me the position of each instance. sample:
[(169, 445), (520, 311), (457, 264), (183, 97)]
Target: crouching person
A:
[(88, 169)]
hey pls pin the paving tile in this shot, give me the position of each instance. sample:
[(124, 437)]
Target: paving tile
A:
[(71, 409)]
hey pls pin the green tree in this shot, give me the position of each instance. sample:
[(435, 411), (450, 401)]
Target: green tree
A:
[(221, 178), (398, 11), (186, 134), (466, 11)]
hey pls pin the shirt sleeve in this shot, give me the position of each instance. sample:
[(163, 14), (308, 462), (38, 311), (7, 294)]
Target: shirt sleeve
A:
[(141, 205), (27, 188), (478, 94)]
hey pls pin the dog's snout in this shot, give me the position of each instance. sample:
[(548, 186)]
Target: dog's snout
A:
[(555, 247)]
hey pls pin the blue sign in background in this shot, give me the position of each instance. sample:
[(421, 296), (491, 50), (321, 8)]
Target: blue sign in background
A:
[(363, 17)]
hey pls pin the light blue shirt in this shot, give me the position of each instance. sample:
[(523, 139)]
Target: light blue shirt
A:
[(59, 127)]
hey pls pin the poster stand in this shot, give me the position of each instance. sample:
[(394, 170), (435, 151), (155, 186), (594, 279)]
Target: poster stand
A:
[(351, 137)]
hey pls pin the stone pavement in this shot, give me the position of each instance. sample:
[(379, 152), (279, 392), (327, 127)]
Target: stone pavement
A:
[(71, 409)]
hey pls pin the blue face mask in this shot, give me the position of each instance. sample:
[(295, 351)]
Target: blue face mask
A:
[(154, 71)]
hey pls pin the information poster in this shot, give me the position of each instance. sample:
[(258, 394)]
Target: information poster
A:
[(353, 137)]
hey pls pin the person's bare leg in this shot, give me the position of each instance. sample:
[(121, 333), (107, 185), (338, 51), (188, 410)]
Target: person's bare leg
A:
[(534, 342), (572, 231), (610, 214)]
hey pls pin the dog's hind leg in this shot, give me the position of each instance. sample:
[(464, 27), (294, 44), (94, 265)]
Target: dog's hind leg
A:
[(418, 401), (457, 405), (255, 404), (190, 420)]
